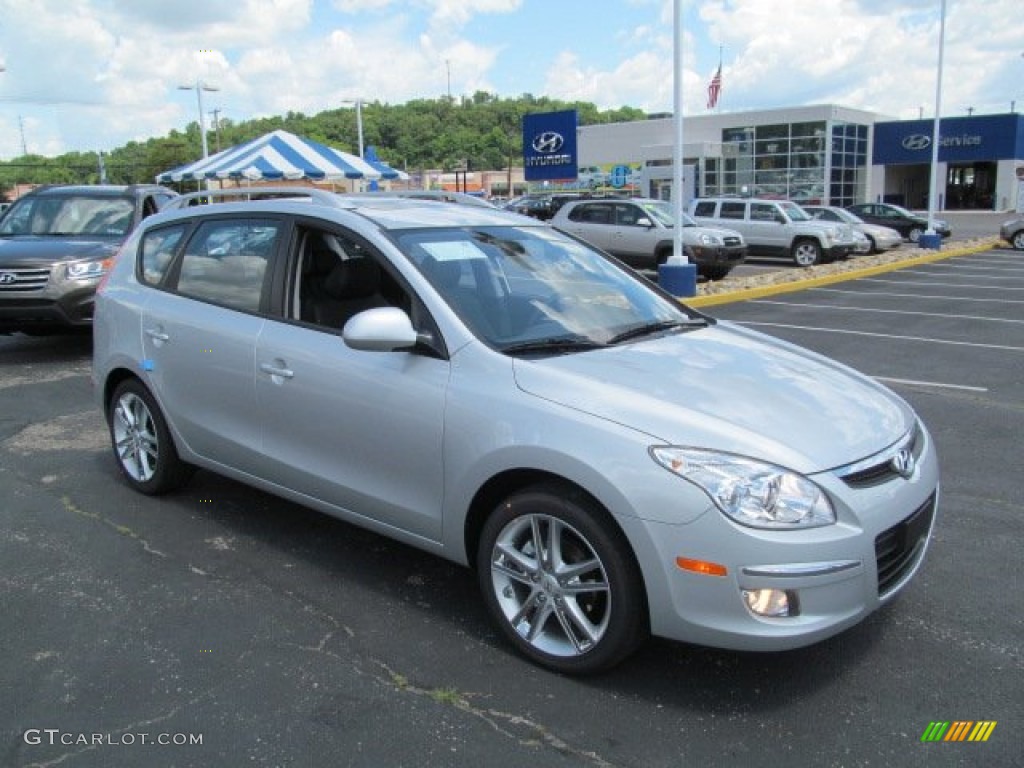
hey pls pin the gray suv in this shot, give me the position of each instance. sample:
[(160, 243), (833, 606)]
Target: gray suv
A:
[(641, 232), (56, 243), (480, 385), (777, 228)]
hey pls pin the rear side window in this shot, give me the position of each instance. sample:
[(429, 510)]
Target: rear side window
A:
[(225, 262), (704, 208), (733, 210), (592, 213), (157, 252)]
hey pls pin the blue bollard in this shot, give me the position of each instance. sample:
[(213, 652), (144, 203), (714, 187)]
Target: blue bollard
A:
[(678, 279), (933, 242)]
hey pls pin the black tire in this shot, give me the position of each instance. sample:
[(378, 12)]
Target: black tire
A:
[(142, 443), (806, 252), (914, 234), (579, 623), (715, 273), (873, 246), (1017, 240)]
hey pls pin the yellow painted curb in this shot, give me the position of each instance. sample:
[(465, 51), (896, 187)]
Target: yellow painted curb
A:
[(798, 284)]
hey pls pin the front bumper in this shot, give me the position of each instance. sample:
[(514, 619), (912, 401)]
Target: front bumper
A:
[(719, 255), (833, 576), (56, 305)]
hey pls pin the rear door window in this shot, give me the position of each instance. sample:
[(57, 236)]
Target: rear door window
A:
[(225, 262)]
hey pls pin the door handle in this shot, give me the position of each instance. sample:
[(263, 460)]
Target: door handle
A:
[(273, 370), (157, 335)]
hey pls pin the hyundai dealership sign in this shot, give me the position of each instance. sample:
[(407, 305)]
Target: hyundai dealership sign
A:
[(961, 140), (549, 146)]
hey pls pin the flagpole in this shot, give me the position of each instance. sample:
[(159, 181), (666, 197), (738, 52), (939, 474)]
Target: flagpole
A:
[(719, 102)]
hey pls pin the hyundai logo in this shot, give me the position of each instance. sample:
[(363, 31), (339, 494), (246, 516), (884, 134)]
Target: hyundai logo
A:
[(903, 463), (547, 143), (917, 141), (6, 278)]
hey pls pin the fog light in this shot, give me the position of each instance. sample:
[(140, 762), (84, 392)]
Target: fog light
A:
[(770, 602)]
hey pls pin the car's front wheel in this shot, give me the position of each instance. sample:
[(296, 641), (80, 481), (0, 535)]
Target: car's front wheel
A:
[(715, 273), (561, 581), (142, 442), (1017, 240), (806, 253)]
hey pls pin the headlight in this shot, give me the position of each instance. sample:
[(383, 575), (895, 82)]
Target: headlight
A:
[(83, 270), (710, 240), (750, 492)]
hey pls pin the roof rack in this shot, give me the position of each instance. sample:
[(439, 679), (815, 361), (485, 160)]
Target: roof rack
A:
[(209, 196)]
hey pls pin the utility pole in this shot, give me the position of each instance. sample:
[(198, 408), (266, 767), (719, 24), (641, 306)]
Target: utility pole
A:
[(216, 126), (21, 127)]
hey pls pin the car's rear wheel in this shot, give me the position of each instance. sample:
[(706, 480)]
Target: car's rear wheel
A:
[(915, 234), (806, 253), (142, 442), (561, 581), (1017, 241)]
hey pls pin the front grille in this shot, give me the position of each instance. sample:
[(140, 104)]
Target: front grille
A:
[(900, 547), (20, 279), (882, 470), (732, 242)]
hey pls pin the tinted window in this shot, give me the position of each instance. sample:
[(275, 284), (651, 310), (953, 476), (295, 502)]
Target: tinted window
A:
[(225, 262), (157, 252), (733, 210), (762, 212), (704, 208)]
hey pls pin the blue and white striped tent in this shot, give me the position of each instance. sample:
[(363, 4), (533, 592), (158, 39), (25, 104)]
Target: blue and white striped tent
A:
[(281, 155)]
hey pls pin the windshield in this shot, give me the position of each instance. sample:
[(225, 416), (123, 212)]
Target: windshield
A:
[(520, 287), (794, 211), (69, 215)]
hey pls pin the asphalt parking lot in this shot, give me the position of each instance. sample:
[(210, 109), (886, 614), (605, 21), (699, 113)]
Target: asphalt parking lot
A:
[(281, 637)]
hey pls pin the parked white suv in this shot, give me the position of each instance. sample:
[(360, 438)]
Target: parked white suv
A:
[(641, 232), (777, 228)]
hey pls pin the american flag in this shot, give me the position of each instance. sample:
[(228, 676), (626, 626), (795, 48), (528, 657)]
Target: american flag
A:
[(715, 88)]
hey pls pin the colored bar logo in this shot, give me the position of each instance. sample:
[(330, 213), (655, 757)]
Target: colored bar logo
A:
[(959, 730)]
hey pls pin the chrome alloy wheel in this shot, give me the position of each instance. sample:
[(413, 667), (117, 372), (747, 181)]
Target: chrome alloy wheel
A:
[(551, 585), (135, 437)]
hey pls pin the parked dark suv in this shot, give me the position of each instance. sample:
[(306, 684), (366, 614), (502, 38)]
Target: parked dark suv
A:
[(56, 243)]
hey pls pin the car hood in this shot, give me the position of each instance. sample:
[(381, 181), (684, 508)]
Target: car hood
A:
[(694, 232), (729, 389), (34, 249)]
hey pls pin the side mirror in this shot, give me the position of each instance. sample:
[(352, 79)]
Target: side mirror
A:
[(383, 329), (643, 221)]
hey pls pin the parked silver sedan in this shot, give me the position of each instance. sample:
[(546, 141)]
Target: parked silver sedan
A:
[(479, 385), (879, 238)]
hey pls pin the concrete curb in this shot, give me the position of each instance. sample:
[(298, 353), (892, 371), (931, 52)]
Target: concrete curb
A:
[(798, 284)]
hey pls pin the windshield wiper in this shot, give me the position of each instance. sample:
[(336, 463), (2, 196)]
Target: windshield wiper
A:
[(556, 345), (648, 329)]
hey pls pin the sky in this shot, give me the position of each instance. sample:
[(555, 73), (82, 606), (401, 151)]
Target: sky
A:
[(93, 75)]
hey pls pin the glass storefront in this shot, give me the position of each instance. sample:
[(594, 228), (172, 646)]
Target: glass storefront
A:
[(791, 161)]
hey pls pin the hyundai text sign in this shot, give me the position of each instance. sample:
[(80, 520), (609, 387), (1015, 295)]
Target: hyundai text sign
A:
[(961, 140), (549, 146)]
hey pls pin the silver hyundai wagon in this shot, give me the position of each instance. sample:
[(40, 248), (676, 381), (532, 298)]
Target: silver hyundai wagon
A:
[(477, 384)]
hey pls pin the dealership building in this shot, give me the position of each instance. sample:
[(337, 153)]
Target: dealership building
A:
[(825, 153)]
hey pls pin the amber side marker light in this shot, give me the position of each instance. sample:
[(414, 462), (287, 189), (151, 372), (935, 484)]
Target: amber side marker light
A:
[(703, 567)]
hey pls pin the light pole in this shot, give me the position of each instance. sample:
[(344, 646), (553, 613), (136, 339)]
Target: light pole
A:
[(199, 87), (933, 240)]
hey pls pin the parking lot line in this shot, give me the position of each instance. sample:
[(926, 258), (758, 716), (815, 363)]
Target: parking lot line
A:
[(1005, 347), (998, 273), (937, 285), (935, 384), (888, 311), (918, 296)]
